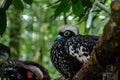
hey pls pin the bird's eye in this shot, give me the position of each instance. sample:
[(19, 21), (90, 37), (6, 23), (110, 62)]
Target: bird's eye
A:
[(66, 33)]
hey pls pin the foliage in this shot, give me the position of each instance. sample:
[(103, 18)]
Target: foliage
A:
[(2, 21), (4, 5), (79, 7), (39, 22)]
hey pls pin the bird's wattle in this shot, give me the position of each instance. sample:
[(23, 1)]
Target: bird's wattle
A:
[(29, 74)]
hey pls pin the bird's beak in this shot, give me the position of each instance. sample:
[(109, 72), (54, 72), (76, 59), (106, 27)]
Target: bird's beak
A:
[(59, 37)]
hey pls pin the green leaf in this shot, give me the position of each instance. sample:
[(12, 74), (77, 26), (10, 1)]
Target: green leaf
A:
[(61, 7), (18, 4), (75, 1), (3, 21), (67, 8), (78, 8), (2, 3), (54, 3), (87, 3), (28, 1), (7, 4), (92, 1)]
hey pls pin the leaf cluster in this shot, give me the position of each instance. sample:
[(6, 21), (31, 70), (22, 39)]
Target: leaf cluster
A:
[(78, 7), (4, 5)]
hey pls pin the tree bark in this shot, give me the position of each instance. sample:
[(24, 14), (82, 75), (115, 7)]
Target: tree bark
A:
[(104, 63)]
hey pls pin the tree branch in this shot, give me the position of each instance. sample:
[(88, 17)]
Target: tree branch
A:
[(100, 5)]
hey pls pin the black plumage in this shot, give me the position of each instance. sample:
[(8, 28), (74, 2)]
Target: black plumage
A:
[(23, 70), (70, 50), (4, 53)]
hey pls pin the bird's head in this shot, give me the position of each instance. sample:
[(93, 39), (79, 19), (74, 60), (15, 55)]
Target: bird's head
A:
[(67, 31), (34, 70)]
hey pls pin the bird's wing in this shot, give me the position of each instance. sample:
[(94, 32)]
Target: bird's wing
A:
[(80, 47), (63, 62), (58, 56)]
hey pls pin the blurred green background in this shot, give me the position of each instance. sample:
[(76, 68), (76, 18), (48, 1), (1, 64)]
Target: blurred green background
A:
[(32, 27)]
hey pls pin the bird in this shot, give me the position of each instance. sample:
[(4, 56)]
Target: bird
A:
[(71, 50), (4, 53), (24, 70)]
